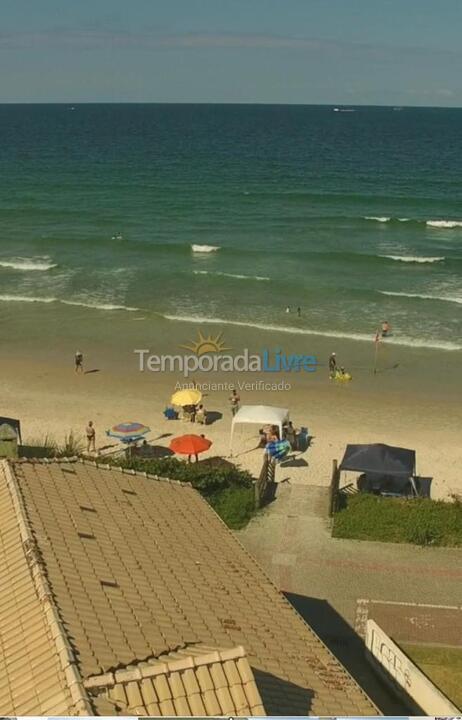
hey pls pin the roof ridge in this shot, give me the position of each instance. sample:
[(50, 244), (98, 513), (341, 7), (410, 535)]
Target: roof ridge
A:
[(64, 650), (162, 666), (100, 466)]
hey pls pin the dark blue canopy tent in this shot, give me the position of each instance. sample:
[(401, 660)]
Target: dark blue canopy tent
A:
[(380, 459)]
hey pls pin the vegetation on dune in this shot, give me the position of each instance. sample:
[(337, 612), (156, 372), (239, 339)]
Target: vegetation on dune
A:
[(73, 446), (419, 521), (48, 447)]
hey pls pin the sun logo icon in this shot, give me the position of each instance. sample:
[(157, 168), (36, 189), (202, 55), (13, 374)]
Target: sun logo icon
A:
[(206, 344)]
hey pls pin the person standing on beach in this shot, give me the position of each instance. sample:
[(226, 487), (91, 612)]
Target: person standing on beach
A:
[(234, 401), (195, 454), (332, 364), (91, 437), (78, 361), (299, 311), (287, 309)]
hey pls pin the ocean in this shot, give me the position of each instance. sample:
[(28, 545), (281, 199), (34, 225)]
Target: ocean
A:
[(232, 213)]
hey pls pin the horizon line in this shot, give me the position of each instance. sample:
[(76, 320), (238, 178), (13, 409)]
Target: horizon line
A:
[(228, 102)]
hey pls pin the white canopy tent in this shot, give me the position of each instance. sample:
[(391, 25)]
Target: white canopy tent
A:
[(259, 415)]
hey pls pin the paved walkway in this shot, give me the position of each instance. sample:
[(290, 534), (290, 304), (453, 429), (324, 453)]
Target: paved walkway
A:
[(327, 579)]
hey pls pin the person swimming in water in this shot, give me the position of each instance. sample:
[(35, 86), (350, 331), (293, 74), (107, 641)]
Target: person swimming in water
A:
[(386, 328)]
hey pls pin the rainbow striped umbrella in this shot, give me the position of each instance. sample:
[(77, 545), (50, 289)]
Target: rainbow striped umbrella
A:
[(128, 432)]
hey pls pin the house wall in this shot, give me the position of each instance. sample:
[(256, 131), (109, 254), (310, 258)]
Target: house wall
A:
[(397, 669)]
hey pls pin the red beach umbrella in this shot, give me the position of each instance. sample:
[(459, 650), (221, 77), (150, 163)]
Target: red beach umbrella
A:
[(190, 444)]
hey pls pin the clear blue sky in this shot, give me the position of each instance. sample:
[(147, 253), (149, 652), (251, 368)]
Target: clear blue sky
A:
[(387, 52)]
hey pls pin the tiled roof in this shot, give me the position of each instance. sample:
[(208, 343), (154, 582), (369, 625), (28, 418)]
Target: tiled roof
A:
[(194, 681), (125, 570), (36, 673)]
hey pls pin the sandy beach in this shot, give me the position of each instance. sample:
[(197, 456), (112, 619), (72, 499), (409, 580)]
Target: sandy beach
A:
[(410, 402)]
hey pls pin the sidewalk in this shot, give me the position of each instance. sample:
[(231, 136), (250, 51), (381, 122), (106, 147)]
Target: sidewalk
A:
[(328, 580)]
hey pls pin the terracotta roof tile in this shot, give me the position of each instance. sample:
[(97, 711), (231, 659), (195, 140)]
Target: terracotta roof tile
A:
[(140, 573)]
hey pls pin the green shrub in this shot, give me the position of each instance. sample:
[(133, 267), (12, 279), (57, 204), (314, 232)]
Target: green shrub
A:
[(205, 478), (420, 521), (72, 447), (235, 505)]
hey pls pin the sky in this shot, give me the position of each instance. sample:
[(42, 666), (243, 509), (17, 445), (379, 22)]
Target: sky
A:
[(376, 52)]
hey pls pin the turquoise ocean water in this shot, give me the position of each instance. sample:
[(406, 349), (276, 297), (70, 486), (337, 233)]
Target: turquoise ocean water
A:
[(233, 213)]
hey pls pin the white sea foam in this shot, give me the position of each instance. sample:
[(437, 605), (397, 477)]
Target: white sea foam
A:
[(445, 224), (442, 224), (363, 337), (452, 299), (28, 264), (413, 259), (48, 300), (99, 306), (204, 248), (26, 298), (231, 275), (386, 219)]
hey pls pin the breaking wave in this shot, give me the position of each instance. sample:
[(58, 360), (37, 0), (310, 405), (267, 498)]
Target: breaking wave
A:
[(422, 296), (441, 224), (48, 300), (25, 298), (231, 275), (413, 258), (28, 264), (385, 219), (444, 224), (204, 248), (98, 306)]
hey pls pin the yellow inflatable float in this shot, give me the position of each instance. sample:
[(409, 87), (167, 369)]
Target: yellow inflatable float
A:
[(342, 376)]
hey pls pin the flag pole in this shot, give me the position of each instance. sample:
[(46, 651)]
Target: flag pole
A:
[(377, 341)]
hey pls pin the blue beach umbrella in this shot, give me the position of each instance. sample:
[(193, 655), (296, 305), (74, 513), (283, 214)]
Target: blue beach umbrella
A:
[(278, 449), (128, 432)]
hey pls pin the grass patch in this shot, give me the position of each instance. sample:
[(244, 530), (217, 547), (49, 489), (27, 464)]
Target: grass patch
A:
[(420, 521), (235, 506), (442, 665), (226, 488)]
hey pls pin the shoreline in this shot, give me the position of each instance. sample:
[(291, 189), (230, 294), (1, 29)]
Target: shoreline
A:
[(333, 334), (148, 314)]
